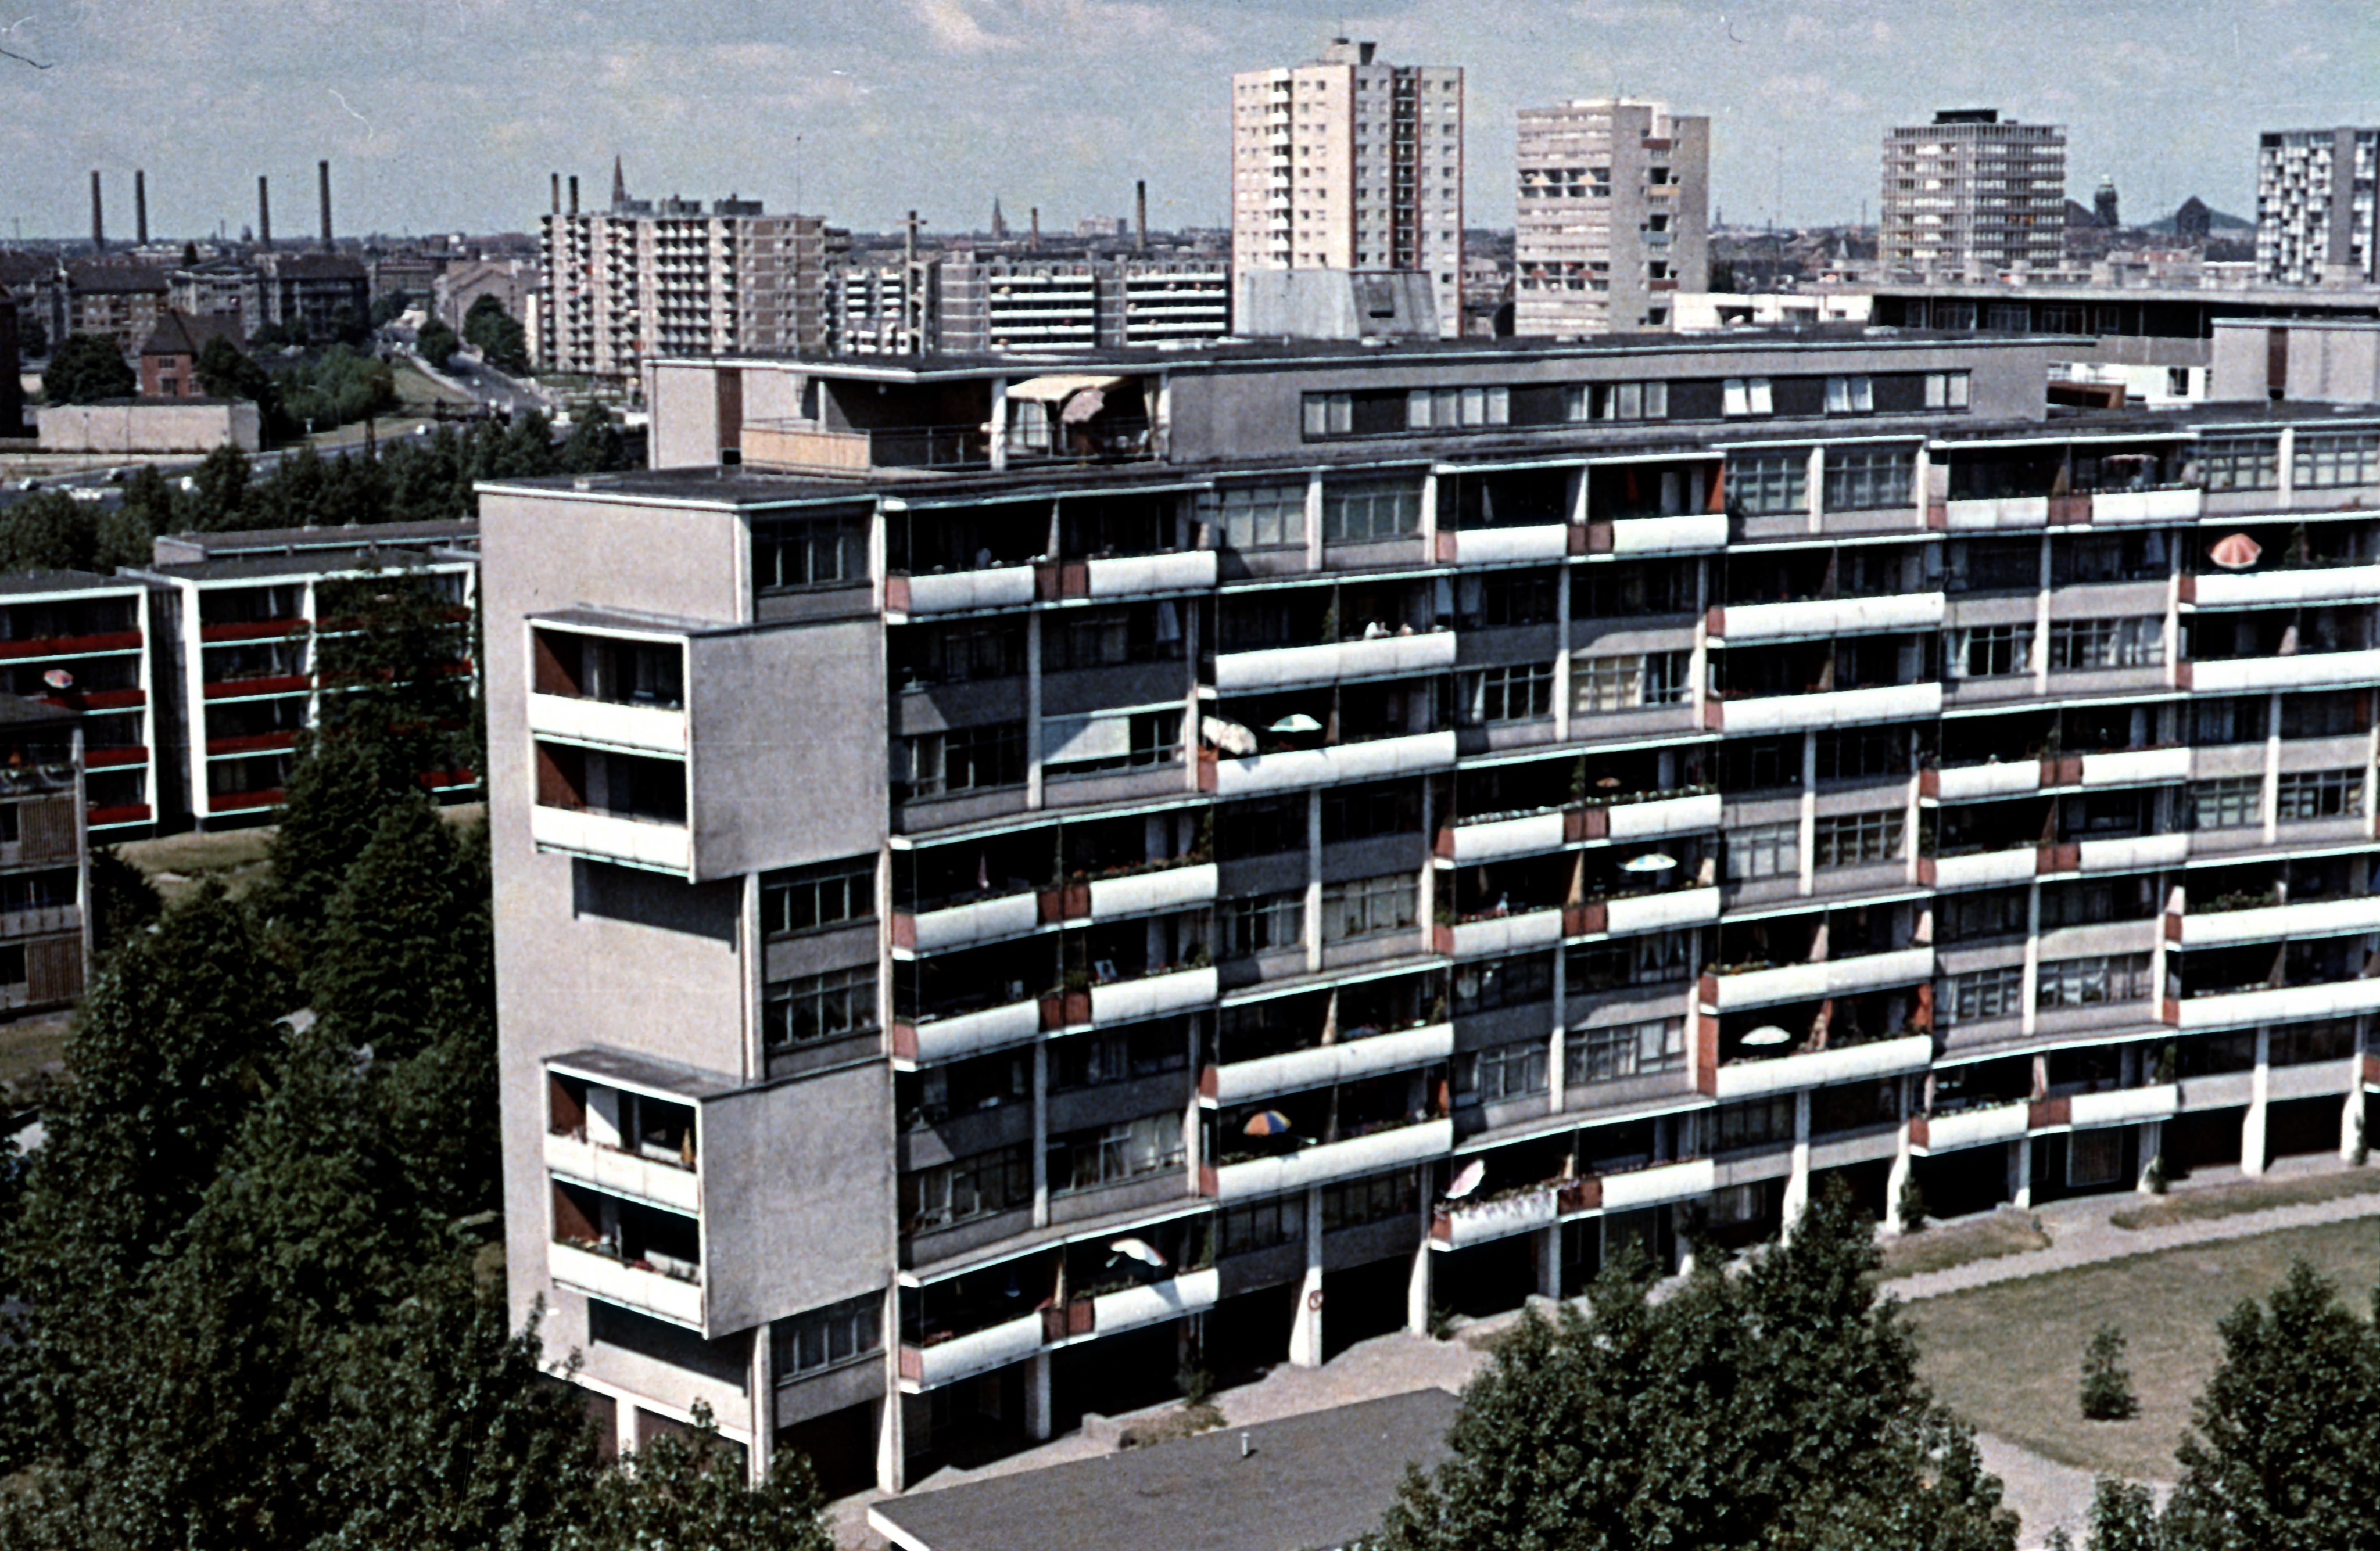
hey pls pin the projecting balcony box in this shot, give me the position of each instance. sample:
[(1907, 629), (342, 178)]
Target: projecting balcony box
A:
[(1650, 817), (2333, 998), (1959, 784), (963, 1357), (636, 842), (2002, 512), (1367, 761), (1142, 893), (2266, 923), (675, 1299), (1460, 1224), (1382, 656), (1132, 1308), (2136, 767), (1811, 982), (1824, 709), (1974, 869), (2132, 852), (1683, 534), (961, 926), (1503, 546), (2282, 587), (1683, 1180), (1133, 575), (1877, 1057), (1643, 912), (958, 592), (1153, 996), (1820, 617), (1323, 1065), (1326, 1162), (2175, 503), (2303, 670), (968, 1034), (2123, 1105), (1496, 934), (1969, 1128)]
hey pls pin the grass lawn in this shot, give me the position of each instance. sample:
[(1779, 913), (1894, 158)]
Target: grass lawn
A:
[(2008, 1357), (2247, 1195), (177, 863), (1939, 1249), (30, 1044)]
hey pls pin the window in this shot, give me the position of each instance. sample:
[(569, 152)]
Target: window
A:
[(1761, 1122), (1746, 395), (1263, 1225), (1376, 1199), (2084, 644), (2095, 1157), (1092, 1059), (1863, 754), (1359, 511), (1770, 483), (2228, 803), (2237, 720), (1263, 924), (805, 899), (1330, 415), (1135, 740), (1607, 1055), (2092, 982), (1991, 651), (1486, 985), (1988, 913), (821, 552), (1514, 1070), (1112, 1154), (2328, 459), (1457, 409), (1851, 840), (1600, 685), (1265, 827), (1869, 479), (1998, 992), (937, 1093), (2321, 794), (959, 652), (822, 1339), (1945, 390), (1257, 516), (1757, 851), (1369, 907), (964, 760), (1111, 637), (1851, 395), (1508, 598), (2242, 464), (1616, 401), (967, 1188), (818, 1007), (1653, 959), (1518, 692), (1374, 808)]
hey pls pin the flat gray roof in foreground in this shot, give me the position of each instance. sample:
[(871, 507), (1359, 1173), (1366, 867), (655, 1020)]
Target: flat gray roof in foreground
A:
[(1320, 1480)]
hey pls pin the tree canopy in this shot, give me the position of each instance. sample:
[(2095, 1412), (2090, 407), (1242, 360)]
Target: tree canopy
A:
[(85, 369), (497, 335), (436, 342)]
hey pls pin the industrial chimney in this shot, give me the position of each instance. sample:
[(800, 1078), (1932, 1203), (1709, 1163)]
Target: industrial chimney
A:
[(140, 207), (557, 193), (1037, 228), (264, 214), (98, 222), (1140, 215), (323, 171), (574, 193)]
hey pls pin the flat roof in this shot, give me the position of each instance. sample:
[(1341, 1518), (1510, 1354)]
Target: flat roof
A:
[(28, 583), (315, 562), (1324, 1479), (262, 541), (648, 1073)]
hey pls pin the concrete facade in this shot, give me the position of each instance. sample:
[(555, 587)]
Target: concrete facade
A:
[(2315, 213), (129, 426), (1972, 197), (1614, 217)]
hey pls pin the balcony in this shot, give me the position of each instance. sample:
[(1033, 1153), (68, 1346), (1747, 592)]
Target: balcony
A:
[(941, 1039), (962, 926), (658, 1293), (634, 842), (2298, 671), (2008, 511), (1493, 935), (1956, 783), (1152, 996), (647, 729), (1824, 709), (1499, 546), (1382, 656), (1827, 617), (2178, 504), (1326, 1064), (2310, 919), (2136, 767), (669, 1184), (1330, 1160), (1676, 535), (2132, 852), (1460, 1224), (1157, 1302), (953, 592), (1142, 893), (2123, 1106), (1877, 1057), (2283, 586), (1976, 868), (1970, 1128), (1324, 767), (2333, 998), (962, 1357), (1682, 1180), (1810, 982), (1647, 913), (1493, 839)]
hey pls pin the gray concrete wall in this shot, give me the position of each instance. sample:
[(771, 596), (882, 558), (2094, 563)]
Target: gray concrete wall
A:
[(148, 426), (797, 1194)]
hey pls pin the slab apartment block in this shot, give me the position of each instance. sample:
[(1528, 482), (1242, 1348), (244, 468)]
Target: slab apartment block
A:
[(1613, 211), (1350, 163), (1973, 196), (1275, 840), (2315, 210)]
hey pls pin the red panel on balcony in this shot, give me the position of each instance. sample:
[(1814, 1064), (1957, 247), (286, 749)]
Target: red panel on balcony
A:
[(236, 687), (97, 699), (69, 646), (248, 743), (234, 802), (121, 813), (259, 630), (104, 758)]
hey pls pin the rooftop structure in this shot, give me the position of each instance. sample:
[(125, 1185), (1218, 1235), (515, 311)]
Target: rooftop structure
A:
[(1613, 216), (1972, 197), (2315, 206)]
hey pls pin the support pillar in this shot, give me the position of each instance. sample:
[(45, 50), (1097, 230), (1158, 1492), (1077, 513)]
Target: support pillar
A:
[(1903, 1163), (2020, 1174), (1305, 1331), (891, 1449), (2252, 1131), (1037, 1396), (1797, 1183), (1418, 1289), (2354, 1120), (2152, 1149), (1548, 1256)]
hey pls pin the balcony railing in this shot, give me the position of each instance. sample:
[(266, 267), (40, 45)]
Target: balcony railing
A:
[(1400, 753), (593, 1269), (1822, 709), (1240, 672), (1323, 1065), (664, 1183), (1330, 1160), (1730, 991), (1876, 1058), (2208, 927)]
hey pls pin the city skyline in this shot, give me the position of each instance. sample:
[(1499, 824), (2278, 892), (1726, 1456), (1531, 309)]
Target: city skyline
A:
[(438, 121)]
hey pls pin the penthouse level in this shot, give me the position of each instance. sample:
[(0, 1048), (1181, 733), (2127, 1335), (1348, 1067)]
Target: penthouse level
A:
[(972, 938)]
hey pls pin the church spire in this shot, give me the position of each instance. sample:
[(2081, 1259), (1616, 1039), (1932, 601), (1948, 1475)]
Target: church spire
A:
[(619, 184)]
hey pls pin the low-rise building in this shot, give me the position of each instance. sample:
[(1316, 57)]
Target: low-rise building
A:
[(138, 426), (169, 357), (313, 292), (79, 641), (44, 859)]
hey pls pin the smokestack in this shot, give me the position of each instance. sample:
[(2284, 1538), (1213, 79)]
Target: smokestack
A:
[(1140, 215), (557, 193), (140, 207), (1037, 228), (98, 221), (574, 193), (263, 213), (323, 171)]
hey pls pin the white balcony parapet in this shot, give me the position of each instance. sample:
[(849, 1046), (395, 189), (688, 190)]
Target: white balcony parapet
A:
[(1125, 1002), (2011, 511), (667, 847), (648, 729), (616, 1281), (1985, 867), (2123, 1105), (1191, 1293), (2241, 1009), (1645, 913), (1664, 815), (1325, 1064), (1663, 1181), (2135, 766), (947, 1038), (1320, 766), (1002, 587), (2249, 674), (1507, 934), (1832, 616), (2133, 852), (1495, 546), (1499, 838), (1142, 893), (2147, 506), (2012, 778), (1334, 1160), (1781, 713), (2359, 912), (1977, 1127), (1693, 530), (2328, 583), (1881, 1058), (1185, 571), (1468, 1224), (980, 921), (1808, 982), (1382, 656), (979, 1352), (669, 1186)]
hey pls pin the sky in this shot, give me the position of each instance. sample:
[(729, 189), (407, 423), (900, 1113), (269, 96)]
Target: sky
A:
[(449, 115)]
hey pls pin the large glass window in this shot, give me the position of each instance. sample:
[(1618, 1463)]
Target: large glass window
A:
[(1600, 685), (1113, 1154), (1369, 907), (2228, 802), (1515, 692), (1868, 478), (1851, 839), (1607, 1055), (2248, 463), (1757, 851), (828, 1337), (1514, 1070), (1986, 651), (967, 1188), (1770, 483), (963, 759), (1257, 516), (2329, 459), (2084, 644), (1998, 992), (816, 1008), (2093, 981), (818, 552), (1357, 511), (829, 894), (2306, 795)]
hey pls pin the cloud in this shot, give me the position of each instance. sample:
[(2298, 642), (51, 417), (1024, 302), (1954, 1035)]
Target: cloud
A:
[(955, 29)]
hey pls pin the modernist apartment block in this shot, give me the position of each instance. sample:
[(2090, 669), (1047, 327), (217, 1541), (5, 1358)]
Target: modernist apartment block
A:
[(2315, 206), (1614, 211), (1972, 197), (80, 641), (1350, 163), (965, 302), (44, 870), (1325, 834)]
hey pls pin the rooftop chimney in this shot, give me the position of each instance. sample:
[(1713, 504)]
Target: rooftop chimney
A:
[(557, 193), (574, 193), (323, 171), (1037, 228), (98, 222), (264, 214), (1140, 215), (140, 207)]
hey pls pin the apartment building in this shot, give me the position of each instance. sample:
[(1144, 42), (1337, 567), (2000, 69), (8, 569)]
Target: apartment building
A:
[(1264, 842), (960, 303), (44, 862), (79, 641), (2315, 211), (1614, 210), (1350, 163), (1973, 196), (649, 278)]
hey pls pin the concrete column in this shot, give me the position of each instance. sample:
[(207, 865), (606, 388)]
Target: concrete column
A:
[(1815, 495), (1313, 883), (1808, 841), (1040, 1136), (999, 426), (892, 1450), (1305, 1332), (2152, 1148), (1419, 1289), (2020, 1174), (1037, 1396), (1548, 1256), (1903, 1164), (1313, 521), (1797, 1183), (2251, 1133), (1032, 708), (764, 1407), (2353, 1119)]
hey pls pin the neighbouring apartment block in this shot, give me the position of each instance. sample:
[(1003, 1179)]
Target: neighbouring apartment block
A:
[(1227, 852), (2315, 210), (962, 303), (44, 859), (1614, 213), (1973, 196)]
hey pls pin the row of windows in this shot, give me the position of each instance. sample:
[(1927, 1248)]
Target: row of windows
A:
[(1387, 412), (1979, 651), (1998, 992), (1844, 839), (2237, 802)]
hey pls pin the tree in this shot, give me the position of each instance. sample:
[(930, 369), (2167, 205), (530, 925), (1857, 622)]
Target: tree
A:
[(219, 493), (397, 676), (381, 968), (497, 335), (690, 1491), (46, 531), (123, 901), (595, 445), (2106, 1393), (85, 369), (32, 336), (225, 371), (388, 307), (2123, 1517), (436, 343)]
